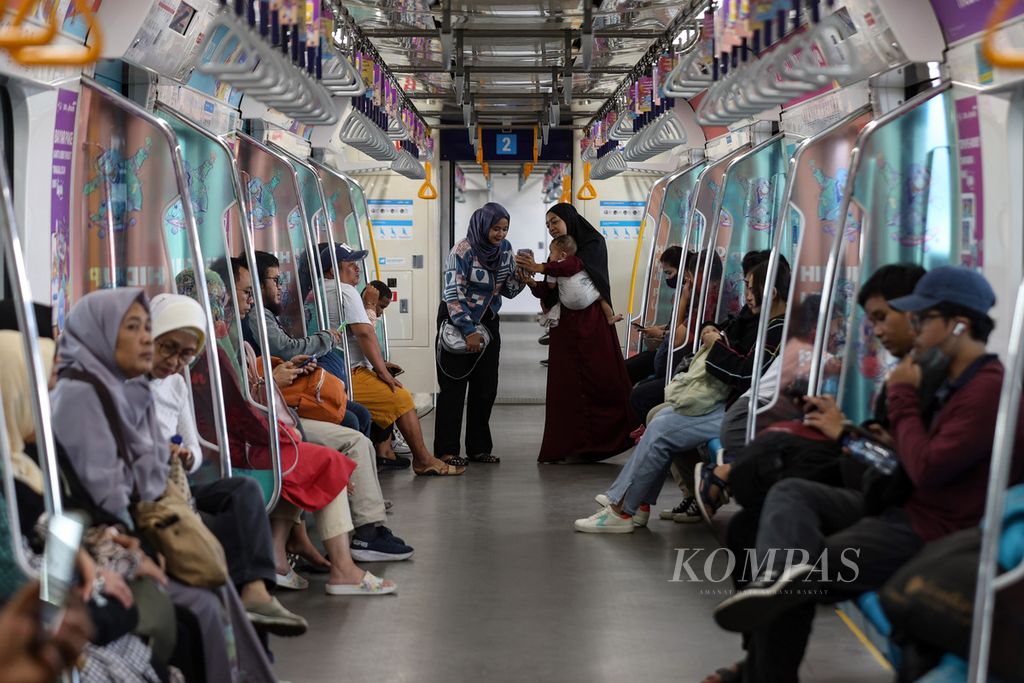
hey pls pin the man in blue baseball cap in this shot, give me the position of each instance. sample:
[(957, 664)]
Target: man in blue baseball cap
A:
[(848, 542)]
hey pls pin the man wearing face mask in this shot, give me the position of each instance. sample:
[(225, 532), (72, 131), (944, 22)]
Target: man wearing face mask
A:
[(945, 451)]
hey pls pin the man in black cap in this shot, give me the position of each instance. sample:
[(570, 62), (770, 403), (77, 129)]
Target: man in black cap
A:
[(944, 453)]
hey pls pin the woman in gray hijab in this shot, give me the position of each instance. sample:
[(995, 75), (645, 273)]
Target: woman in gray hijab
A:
[(108, 335)]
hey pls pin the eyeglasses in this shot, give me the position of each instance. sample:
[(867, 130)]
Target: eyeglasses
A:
[(247, 294), (169, 350), (918, 321), (275, 280)]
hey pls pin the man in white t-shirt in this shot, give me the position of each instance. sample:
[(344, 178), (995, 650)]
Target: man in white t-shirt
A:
[(373, 383)]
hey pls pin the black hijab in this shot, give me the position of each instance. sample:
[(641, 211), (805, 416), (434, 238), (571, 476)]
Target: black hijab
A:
[(590, 247)]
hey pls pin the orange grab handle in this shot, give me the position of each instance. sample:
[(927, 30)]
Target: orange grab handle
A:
[(1010, 59), (566, 197), (66, 55), (527, 170), (15, 35), (587, 190), (427, 190)]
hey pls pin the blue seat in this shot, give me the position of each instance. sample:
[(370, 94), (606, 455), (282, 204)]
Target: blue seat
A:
[(265, 478), (865, 612)]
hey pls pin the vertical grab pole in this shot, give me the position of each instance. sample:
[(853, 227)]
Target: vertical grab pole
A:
[(261, 327), (773, 267), (245, 217), (999, 476), (180, 178), (38, 380)]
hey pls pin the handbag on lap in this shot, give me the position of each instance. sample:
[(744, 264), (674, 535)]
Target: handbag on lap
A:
[(193, 554)]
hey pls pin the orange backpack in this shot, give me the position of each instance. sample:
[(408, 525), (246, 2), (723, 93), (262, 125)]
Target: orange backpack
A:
[(316, 396)]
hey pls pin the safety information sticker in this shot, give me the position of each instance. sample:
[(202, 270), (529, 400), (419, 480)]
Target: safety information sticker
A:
[(620, 220)]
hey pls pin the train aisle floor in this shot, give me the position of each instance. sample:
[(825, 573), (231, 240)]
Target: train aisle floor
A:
[(502, 589)]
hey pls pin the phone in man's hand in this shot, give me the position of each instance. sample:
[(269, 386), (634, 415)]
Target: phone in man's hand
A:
[(63, 539)]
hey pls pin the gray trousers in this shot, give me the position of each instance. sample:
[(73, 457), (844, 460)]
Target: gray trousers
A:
[(367, 499)]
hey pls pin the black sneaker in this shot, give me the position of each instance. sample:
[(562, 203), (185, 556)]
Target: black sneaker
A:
[(544, 362), (387, 534), (382, 548), (686, 512), (764, 600)]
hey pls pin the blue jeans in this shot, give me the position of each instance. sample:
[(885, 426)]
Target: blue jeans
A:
[(668, 434), (357, 417)]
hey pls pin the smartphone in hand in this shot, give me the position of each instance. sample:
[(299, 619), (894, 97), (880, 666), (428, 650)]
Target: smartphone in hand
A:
[(63, 539)]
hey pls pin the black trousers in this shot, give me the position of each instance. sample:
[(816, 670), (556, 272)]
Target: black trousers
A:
[(825, 521), (479, 379), (646, 395), (233, 510), (641, 366)]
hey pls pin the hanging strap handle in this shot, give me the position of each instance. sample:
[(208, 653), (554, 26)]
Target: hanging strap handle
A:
[(1010, 59), (15, 35), (427, 190), (587, 190)]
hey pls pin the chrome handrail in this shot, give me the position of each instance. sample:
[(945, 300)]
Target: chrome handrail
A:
[(126, 105), (999, 476), (832, 269), (257, 314), (773, 265)]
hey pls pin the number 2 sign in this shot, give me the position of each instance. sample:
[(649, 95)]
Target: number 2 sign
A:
[(505, 143)]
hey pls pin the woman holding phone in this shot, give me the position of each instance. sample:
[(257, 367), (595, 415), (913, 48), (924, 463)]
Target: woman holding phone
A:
[(479, 271), (588, 415)]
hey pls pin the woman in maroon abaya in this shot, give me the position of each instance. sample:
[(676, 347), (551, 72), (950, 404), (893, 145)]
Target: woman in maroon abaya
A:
[(588, 417)]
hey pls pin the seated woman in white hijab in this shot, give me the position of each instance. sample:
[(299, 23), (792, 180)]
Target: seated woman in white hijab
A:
[(232, 507), (108, 337)]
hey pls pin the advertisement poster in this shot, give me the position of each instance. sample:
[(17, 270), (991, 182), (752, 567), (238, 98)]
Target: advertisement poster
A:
[(972, 202), (60, 201), (960, 18)]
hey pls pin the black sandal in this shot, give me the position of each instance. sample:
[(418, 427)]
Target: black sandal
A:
[(484, 457), (455, 460), (396, 463)]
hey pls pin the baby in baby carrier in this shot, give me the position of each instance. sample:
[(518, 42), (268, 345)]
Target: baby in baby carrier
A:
[(575, 292)]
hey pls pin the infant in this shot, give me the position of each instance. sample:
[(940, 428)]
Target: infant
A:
[(575, 292)]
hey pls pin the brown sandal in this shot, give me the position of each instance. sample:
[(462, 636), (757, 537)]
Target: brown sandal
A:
[(439, 470)]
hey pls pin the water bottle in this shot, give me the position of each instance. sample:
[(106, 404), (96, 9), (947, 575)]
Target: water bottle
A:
[(871, 453)]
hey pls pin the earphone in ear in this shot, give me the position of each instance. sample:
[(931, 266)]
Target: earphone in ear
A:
[(959, 329)]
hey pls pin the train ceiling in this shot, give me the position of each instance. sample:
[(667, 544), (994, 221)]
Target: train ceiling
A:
[(511, 62)]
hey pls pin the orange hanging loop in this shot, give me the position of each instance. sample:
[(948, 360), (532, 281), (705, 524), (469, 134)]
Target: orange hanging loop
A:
[(566, 197), (587, 190), (527, 170), (427, 190), (66, 55), (487, 170), (15, 35), (1009, 59)]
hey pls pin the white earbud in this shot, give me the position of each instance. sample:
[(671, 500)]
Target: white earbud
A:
[(959, 329)]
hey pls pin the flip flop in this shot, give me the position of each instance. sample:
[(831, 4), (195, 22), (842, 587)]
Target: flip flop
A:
[(396, 463), (442, 470)]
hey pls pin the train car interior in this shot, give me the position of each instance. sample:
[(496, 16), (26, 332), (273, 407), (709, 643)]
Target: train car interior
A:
[(505, 340)]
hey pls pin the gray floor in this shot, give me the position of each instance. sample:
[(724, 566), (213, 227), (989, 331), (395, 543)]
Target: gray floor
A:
[(502, 589)]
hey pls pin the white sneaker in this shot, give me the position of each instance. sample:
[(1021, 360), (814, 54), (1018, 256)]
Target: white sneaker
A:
[(605, 521), (399, 445), (639, 519)]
